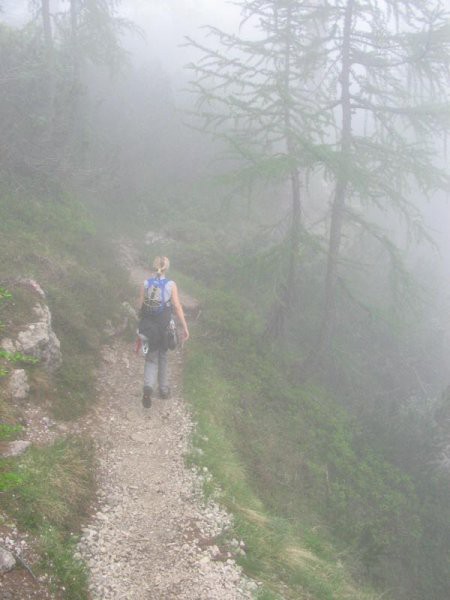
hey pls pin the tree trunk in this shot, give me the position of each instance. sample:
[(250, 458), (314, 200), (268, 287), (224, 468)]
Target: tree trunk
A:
[(294, 249), (286, 301), (339, 203), (295, 178), (290, 287)]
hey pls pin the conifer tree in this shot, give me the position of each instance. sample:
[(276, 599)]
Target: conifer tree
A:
[(353, 90), (251, 96), (43, 77), (385, 75)]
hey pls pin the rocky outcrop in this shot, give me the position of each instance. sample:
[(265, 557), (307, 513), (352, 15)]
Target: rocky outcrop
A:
[(19, 387), (37, 339), (25, 282)]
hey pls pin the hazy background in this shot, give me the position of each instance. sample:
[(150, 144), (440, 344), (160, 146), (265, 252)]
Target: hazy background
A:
[(334, 399), (163, 26)]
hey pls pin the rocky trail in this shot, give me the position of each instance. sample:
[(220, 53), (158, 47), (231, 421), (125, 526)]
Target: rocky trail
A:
[(153, 536)]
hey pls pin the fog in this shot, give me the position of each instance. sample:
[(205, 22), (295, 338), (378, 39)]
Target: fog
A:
[(159, 39), (166, 24), (162, 26), (293, 167)]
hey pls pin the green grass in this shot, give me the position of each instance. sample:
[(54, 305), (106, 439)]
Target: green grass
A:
[(56, 485), (292, 560), (54, 241), (9, 432), (320, 509), (50, 492), (57, 551)]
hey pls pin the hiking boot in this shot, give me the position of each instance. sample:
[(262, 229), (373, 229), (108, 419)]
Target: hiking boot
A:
[(164, 393), (147, 397)]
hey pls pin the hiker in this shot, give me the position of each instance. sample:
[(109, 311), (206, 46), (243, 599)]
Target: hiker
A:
[(158, 298)]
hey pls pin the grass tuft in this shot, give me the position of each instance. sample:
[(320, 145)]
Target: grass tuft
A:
[(56, 485), (57, 552), (49, 491)]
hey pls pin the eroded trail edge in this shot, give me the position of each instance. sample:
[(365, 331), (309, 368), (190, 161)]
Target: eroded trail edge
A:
[(153, 537)]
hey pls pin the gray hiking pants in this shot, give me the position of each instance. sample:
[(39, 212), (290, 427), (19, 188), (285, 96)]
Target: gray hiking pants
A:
[(156, 369)]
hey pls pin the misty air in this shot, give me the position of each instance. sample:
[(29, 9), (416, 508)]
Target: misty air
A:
[(224, 300)]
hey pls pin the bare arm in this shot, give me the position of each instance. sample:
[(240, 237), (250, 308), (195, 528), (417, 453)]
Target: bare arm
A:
[(179, 310)]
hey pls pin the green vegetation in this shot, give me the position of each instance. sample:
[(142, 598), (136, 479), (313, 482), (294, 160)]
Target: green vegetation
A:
[(317, 368), (56, 484), (8, 432), (47, 233), (54, 241), (294, 559), (49, 491), (320, 509)]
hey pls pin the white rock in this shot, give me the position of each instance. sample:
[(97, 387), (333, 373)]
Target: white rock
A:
[(15, 448), (39, 339), (7, 561), (31, 283), (8, 345), (204, 560), (19, 387), (214, 551)]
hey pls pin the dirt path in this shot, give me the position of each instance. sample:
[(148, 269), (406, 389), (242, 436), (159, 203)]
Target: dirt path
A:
[(153, 537)]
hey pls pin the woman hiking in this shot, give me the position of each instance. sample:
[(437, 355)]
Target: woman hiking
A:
[(157, 300)]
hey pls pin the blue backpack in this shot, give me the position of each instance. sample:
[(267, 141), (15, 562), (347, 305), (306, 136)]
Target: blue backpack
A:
[(154, 302)]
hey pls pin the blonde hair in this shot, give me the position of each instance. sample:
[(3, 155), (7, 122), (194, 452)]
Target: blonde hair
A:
[(161, 264)]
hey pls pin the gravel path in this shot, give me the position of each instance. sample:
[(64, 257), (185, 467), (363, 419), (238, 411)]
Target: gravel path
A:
[(153, 537)]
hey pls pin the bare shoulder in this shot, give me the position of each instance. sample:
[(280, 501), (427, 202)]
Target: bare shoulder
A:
[(174, 290)]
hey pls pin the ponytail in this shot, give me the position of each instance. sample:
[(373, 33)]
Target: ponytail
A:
[(161, 264)]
